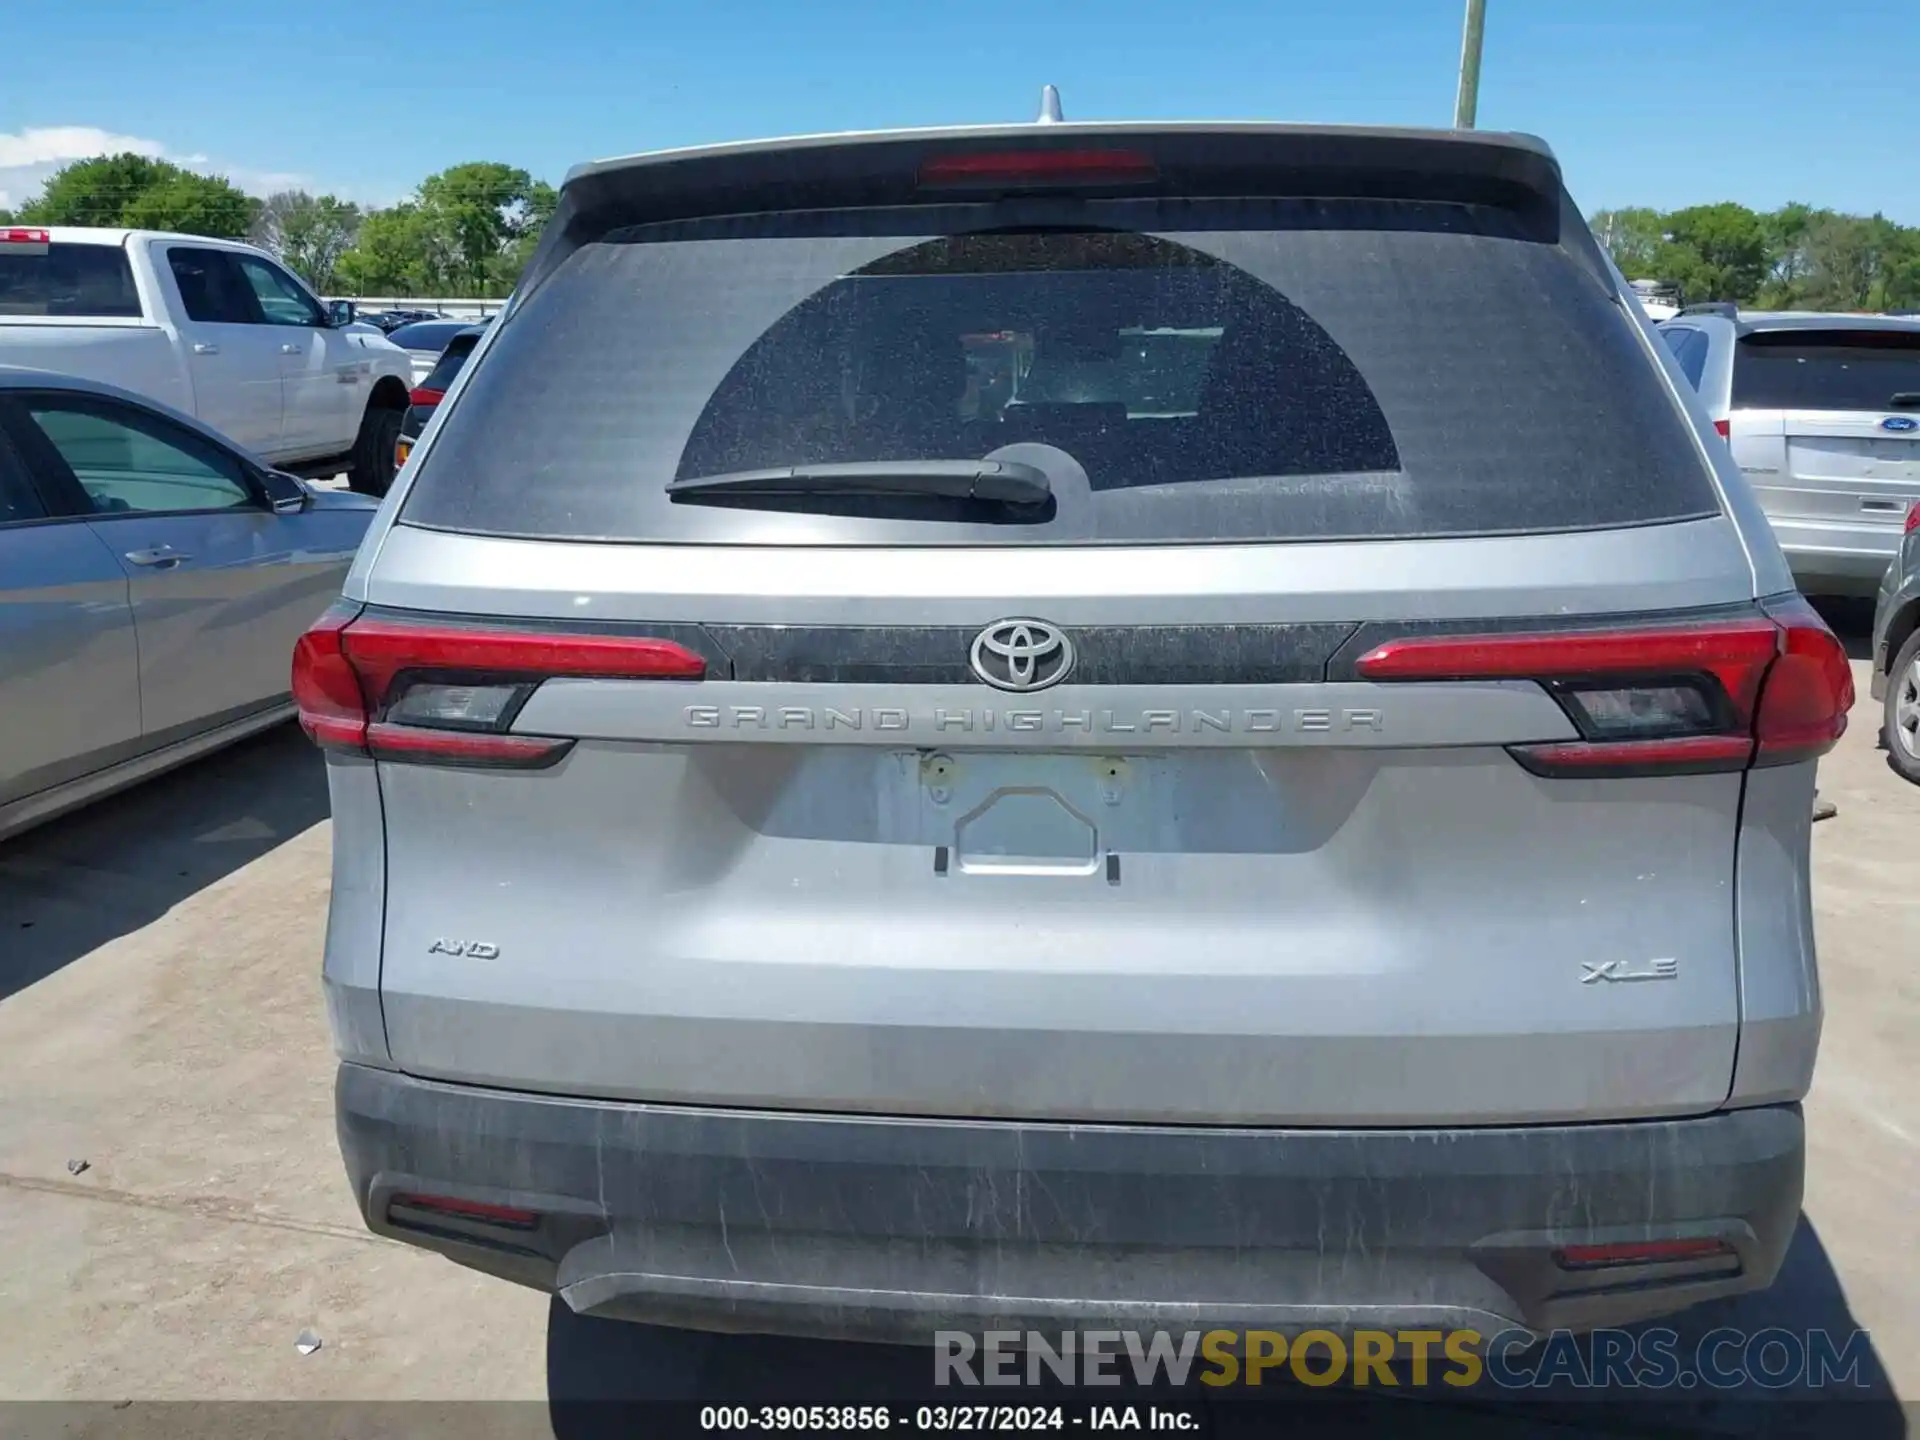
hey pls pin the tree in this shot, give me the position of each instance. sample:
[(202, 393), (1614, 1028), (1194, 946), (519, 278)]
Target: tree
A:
[(194, 204), (542, 200), (309, 233), (1794, 258), (1848, 261), (1902, 283), (1715, 252), (1785, 231), (395, 252), (482, 211), (93, 192), (142, 193), (468, 230), (1633, 237)]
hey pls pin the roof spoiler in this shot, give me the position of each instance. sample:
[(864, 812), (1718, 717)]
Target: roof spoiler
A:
[(1513, 172)]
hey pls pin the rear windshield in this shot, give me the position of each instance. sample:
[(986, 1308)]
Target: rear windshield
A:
[(87, 281), (450, 361), (1244, 370), (1828, 370)]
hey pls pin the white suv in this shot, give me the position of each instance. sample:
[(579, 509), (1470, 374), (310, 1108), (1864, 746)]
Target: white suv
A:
[(1823, 413)]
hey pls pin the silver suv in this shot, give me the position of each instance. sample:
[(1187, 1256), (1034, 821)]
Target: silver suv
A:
[(1823, 415), (1074, 724)]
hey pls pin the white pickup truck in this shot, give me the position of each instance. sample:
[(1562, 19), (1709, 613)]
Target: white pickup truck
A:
[(217, 329)]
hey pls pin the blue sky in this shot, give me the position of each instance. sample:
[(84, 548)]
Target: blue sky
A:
[(1666, 104)]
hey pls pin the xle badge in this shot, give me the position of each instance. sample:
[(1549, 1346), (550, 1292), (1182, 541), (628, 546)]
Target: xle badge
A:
[(1665, 968)]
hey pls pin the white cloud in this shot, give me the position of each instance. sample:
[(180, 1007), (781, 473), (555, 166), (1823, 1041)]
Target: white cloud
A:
[(58, 144), (28, 157)]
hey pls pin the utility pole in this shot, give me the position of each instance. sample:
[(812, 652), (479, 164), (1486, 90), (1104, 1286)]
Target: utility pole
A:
[(1467, 102)]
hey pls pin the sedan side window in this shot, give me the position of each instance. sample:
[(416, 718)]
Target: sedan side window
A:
[(281, 299), (127, 462), (18, 499)]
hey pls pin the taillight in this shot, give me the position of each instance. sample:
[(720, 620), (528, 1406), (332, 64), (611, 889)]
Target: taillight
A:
[(1724, 428), (425, 395), (448, 695), (1913, 517), (1037, 169), (333, 710), (1808, 691), (1763, 689)]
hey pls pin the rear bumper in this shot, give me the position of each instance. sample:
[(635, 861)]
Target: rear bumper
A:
[(1845, 559), (890, 1229)]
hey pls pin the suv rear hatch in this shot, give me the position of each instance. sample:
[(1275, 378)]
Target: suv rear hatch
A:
[(1112, 795), (1829, 425)]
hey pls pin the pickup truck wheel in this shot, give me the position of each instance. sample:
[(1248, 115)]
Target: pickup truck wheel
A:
[(1901, 726), (372, 469)]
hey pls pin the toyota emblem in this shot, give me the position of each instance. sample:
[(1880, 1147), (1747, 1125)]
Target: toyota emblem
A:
[(1022, 655)]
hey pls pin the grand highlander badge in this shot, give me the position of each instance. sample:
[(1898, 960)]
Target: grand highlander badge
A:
[(1022, 655)]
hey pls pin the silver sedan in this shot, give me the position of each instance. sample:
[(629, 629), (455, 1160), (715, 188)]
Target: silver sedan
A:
[(153, 579)]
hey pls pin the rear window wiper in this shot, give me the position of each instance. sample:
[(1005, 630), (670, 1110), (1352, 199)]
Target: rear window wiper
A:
[(1905, 399), (1006, 481)]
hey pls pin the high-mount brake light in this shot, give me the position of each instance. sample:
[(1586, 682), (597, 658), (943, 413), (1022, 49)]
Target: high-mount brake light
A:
[(439, 694), (1768, 688), (24, 240), (1037, 169)]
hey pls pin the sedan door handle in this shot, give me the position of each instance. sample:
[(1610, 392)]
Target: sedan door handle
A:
[(289, 349), (160, 555), (201, 347)]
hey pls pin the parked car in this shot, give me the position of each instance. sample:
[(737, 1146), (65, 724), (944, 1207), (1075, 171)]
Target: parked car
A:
[(822, 849), (153, 578), (1896, 652), (219, 330), (424, 340), (387, 321), (433, 388), (1823, 416)]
